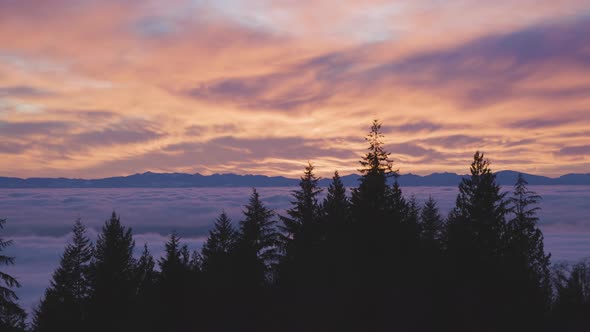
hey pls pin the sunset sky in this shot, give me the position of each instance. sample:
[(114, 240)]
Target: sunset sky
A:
[(96, 88)]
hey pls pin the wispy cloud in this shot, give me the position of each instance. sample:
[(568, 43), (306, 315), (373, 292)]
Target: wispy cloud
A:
[(141, 85)]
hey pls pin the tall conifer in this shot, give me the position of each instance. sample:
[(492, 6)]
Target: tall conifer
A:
[(65, 304)]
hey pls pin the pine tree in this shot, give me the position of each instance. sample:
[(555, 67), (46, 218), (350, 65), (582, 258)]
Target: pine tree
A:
[(146, 308), (145, 271), (370, 199), (475, 246), (256, 243), (220, 277), (113, 278), (301, 219), (402, 214), (339, 237), (174, 263), (410, 216), (301, 234), (528, 264), (65, 304), (477, 223), (176, 286), (218, 253), (431, 223), (524, 235), (12, 316), (336, 207), (431, 265), (572, 302)]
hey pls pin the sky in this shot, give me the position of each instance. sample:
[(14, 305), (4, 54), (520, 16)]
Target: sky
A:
[(97, 88)]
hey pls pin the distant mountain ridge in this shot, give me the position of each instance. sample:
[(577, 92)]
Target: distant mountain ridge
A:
[(183, 180)]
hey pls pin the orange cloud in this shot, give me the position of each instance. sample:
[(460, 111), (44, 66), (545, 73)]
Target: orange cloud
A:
[(100, 88)]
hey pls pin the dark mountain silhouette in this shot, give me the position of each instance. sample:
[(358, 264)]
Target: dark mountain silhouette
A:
[(183, 180)]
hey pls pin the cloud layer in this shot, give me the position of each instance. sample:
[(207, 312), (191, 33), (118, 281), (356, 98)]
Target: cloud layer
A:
[(100, 88), (39, 221)]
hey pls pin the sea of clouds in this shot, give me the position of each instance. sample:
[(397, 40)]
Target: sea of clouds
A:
[(39, 220)]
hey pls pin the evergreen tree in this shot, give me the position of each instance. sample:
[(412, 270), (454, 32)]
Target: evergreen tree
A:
[(525, 238), (176, 286), (528, 266), (477, 223), (431, 223), (370, 199), (300, 230), (65, 304), (256, 243), (431, 264), (336, 207), (12, 316), (410, 218), (572, 303), (301, 219), (476, 248), (113, 278), (220, 278), (339, 237), (175, 262), (218, 253), (145, 271), (146, 300)]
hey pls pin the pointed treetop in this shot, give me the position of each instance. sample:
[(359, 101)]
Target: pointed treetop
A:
[(222, 237), (377, 160)]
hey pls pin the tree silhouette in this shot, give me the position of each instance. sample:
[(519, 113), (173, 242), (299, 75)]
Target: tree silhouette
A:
[(431, 223), (175, 291), (572, 303), (113, 278), (218, 253), (528, 267), (474, 241), (65, 305), (256, 243), (220, 278), (339, 238), (377, 261), (12, 316), (146, 307), (370, 198), (430, 256), (301, 231), (336, 207)]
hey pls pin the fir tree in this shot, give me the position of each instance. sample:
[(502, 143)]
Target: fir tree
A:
[(12, 316), (475, 246), (175, 290), (145, 271), (257, 242), (146, 308), (218, 253), (431, 222), (478, 219), (528, 264), (301, 220), (301, 233), (572, 302), (336, 207), (220, 277), (524, 235), (65, 304), (113, 278), (370, 199)]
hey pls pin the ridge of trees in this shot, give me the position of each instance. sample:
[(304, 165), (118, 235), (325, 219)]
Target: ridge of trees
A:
[(371, 259)]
